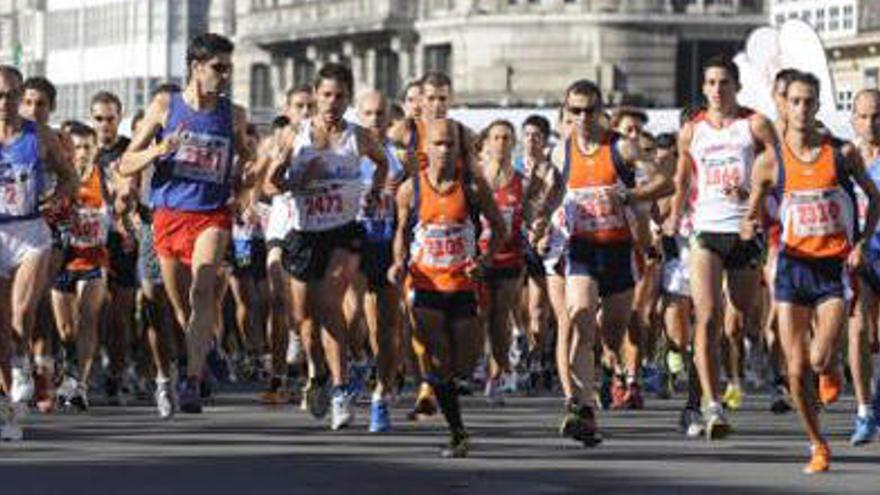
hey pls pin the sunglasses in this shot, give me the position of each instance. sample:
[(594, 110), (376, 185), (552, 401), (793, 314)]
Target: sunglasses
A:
[(580, 110), (9, 94)]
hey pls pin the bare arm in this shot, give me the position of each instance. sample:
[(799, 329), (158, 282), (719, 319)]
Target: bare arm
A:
[(243, 151), (142, 150), (56, 160), (682, 174), (482, 193), (764, 178), (402, 234), (658, 185)]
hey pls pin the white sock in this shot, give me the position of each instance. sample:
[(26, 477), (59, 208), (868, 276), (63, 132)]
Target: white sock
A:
[(865, 411)]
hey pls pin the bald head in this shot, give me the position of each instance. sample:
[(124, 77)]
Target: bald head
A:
[(442, 141), (866, 115), (372, 110)]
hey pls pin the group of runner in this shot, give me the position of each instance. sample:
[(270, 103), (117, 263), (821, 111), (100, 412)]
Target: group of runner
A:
[(433, 250)]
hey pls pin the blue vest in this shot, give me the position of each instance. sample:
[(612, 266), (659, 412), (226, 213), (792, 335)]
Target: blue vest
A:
[(21, 176), (380, 221), (197, 176)]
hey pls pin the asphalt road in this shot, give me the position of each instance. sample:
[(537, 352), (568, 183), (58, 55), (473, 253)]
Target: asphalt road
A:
[(241, 447)]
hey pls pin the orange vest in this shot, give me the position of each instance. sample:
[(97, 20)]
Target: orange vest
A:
[(509, 199), (88, 233), (817, 214), (443, 238), (593, 212)]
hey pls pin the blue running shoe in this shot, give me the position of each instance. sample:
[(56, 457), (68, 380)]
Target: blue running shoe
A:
[(865, 431), (380, 416)]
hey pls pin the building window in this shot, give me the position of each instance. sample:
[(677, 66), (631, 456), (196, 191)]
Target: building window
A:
[(848, 17), (261, 86), (807, 16), (303, 72), (834, 18), (820, 20), (792, 15), (871, 78), (844, 100), (438, 58), (387, 75), (780, 18)]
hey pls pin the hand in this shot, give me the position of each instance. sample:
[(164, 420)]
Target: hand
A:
[(169, 145), (736, 193), (748, 228), (475, 269), (395, 274), (857, 256)]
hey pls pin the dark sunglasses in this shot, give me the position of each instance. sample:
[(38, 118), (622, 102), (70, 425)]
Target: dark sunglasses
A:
[(220, 67), (580, 110)]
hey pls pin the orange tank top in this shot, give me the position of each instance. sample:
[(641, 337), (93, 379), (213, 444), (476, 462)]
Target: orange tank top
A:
[(443, 238), (593, 212), (816, 213), (88, 233)]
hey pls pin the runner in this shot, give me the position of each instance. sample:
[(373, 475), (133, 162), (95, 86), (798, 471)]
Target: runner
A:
[(199, 130), (434, 225), (381, 298), (80, 289), (716, 151), (319, 164), (28, 151), (866, 123), (542, 185), (412, 100), (37, 103), (599, 172), (122, 282), (503, 271), (818, 245)]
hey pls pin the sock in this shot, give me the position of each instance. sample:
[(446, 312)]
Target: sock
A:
[(865, 411)]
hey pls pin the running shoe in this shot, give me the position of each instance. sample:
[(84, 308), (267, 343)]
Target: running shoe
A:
[(79, 400), (690, 423), (380, 416), (633, 399), (494, 396), (317, 397), (674, 362), (820, 459), (164, 396), (779, 400), (426, 403), (587, 432), (275, 393), (717, 426), (113, 391), (458, 445), (830, 385), (865, 431), (733, 397), (22, 380), (10, 430), (191, 396), (44, 393), (342, 412), (618, 393)]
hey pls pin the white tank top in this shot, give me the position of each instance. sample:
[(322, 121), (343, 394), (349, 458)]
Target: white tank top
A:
[(333, 197), (722, 159)]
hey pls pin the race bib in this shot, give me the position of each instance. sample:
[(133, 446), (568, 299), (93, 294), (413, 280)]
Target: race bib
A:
[(263, 213), (593, 210), (14, 192), (327, 206), (202, 157), (721, 175), (90, 228), (816, 214), (443, 246)]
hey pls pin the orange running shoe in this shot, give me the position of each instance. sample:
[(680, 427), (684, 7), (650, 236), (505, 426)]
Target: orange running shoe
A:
[(820, 461), (830, 385)]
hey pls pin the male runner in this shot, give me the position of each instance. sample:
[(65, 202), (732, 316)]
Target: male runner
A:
[(818, 245), (434, 225), (199, 131), (716, 151)]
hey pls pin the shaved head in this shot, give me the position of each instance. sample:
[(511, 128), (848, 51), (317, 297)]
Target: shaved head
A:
[(442, 141), (372, 109)]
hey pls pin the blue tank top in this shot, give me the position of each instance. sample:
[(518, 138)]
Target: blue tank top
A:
[(21, 176), (197, 176), (874, 242), (379, 221)]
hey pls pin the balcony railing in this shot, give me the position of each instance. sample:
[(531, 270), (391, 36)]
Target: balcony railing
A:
[(303, 17)]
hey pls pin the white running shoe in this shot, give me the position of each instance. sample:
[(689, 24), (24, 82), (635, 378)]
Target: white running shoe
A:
[(22, 380), (10, 430), (164, 399), (342, 412)]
